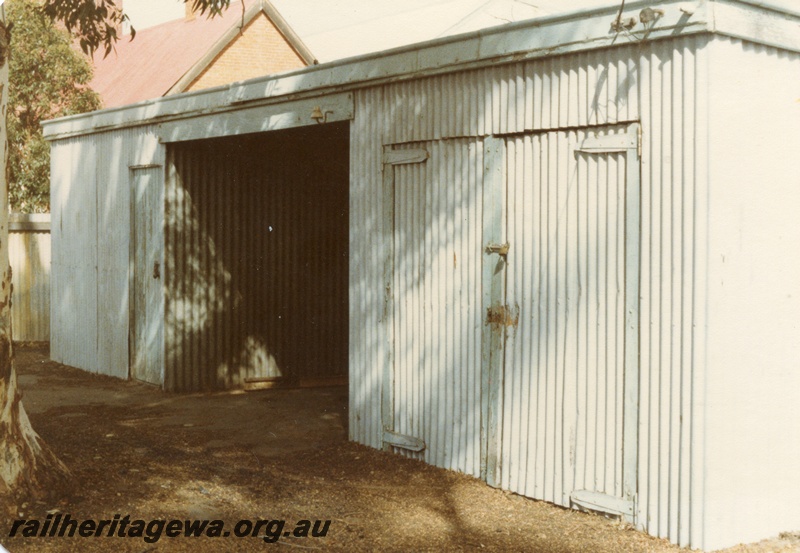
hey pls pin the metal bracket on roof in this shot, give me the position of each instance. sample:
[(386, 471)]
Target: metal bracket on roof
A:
[(623, 24)]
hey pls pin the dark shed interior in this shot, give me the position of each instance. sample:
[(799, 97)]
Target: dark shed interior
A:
[(256, 255)]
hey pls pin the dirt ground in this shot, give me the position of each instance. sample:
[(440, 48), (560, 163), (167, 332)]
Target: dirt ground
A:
[(276, 454)]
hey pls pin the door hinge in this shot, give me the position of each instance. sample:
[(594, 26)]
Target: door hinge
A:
[(400, 157), (604, 503), (402, 441), (639, 141), (500, 249), (502, 315)]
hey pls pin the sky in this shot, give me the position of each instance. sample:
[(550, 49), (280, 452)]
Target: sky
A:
[(146, 13), (334, 29), (323, 15)]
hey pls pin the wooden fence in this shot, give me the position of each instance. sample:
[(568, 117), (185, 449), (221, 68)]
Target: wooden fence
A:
[(29, 254)]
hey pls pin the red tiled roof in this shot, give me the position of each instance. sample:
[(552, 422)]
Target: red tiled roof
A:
[(147, 66)]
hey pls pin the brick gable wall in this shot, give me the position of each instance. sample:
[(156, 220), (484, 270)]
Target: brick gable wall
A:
[(260, 50)]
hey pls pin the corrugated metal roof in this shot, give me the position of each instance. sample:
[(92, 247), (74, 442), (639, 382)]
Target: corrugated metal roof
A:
[(151, 64)]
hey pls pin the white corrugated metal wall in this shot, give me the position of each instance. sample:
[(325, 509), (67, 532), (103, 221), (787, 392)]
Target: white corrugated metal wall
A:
[(73, 301), (647, 83), (674, 114), (90, 207), (662, 84), (654, 83)]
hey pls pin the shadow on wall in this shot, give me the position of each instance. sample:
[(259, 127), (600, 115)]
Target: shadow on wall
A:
[(256, 235), (257, 227), (563, 279)]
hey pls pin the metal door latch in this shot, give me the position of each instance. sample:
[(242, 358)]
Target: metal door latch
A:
[(500, 249), (156, 270)]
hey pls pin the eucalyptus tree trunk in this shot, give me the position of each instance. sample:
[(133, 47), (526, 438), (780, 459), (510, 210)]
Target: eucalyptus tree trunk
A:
[(27, 465)]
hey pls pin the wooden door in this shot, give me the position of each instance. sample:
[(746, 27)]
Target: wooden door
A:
[(147, 298)]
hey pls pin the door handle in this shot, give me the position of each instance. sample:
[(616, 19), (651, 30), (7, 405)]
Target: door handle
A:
[(156, 270)]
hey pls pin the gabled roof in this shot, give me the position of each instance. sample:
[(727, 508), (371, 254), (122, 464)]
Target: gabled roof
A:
[(168, 57)]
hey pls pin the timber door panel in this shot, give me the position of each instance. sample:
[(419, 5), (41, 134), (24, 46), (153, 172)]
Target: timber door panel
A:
[(570, 382), (432, 402), (147, 299)]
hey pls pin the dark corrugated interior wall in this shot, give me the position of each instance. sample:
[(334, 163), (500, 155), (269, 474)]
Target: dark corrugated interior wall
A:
[(257, 258)]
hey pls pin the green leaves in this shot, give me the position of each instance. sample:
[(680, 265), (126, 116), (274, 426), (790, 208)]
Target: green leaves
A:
[(48, 78), (213, 7), (95, 23)]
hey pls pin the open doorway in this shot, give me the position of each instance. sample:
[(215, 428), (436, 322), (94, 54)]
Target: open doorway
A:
[(256, 254)]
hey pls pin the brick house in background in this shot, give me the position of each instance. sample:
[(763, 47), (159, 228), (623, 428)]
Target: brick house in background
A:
[(195, 52)]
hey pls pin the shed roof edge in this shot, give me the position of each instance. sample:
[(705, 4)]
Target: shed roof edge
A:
[(536, 38)]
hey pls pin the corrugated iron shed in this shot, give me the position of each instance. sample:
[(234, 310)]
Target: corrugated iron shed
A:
[(569, 268)]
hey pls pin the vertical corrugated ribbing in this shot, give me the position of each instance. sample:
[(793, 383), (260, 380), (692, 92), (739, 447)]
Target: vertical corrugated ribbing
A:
[(654, 83), (257, 253)]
